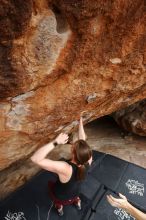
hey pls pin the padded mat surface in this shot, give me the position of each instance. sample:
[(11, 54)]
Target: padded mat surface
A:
[(107, 175), (105, 211), (110, 171), (133, 185), (90, 187), (32, 202)]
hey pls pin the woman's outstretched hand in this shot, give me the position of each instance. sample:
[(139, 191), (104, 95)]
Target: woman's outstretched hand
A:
[(119, 203), (62, 138)]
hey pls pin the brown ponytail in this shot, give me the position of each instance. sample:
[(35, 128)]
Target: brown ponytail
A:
[(81, 172), (82, 153)]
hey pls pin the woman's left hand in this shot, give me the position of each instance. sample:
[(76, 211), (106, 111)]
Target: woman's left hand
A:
[(119, 203)]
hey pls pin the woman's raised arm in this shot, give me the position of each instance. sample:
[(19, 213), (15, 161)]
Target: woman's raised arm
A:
[(39, 157), (81, 134)]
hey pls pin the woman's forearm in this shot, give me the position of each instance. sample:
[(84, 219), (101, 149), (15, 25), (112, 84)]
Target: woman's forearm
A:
[(135, 212), (82, 134), (41, 153)]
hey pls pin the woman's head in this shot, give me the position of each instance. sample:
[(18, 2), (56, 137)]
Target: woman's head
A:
[(81, 152), (81, 155)]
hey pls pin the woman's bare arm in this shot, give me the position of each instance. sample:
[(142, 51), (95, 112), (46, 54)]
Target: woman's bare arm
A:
[(139, 215), (124, 204), (39, 157), (82, 134)]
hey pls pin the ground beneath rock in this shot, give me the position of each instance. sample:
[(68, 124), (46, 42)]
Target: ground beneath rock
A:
[(106, 136)]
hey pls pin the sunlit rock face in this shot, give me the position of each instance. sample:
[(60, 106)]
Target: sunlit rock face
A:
[(58, 59), (133, 118)]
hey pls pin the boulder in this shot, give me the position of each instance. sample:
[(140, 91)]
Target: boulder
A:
[(133, 118), (59, 58)]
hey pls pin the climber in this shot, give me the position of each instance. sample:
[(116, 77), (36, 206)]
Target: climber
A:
[(123, 203), (65, 190)]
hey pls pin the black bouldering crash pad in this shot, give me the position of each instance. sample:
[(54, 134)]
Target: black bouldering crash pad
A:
[(104, 211), (107, 175), (32, 202)]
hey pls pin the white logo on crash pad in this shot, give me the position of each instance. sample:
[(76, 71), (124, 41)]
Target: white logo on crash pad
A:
[(135, 187), (15, 216), (122, 215)]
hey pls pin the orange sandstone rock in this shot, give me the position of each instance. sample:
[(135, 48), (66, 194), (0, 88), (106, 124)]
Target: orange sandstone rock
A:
[(59, 58)]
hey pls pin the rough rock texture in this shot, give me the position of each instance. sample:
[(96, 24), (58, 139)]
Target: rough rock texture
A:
[(106, 136), (59, 58), (133, 118)]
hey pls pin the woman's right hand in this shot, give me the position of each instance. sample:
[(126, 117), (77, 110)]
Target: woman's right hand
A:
[(62, 138)]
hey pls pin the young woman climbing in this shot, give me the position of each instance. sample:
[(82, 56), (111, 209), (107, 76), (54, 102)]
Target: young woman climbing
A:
[(70, 173)]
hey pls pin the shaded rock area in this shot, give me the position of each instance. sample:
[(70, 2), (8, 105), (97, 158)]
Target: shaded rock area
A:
[(103, 135), (58, 59), (106, 136), (133, 118)]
